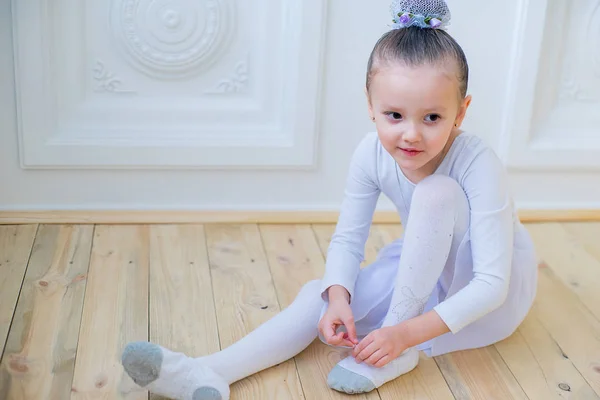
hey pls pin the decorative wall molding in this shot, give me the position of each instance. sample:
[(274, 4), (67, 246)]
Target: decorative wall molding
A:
[(554, 127), (172, 39), (273, 124), (236, 83), (572, 91), (594, 36), (107, 81), (584, 38)]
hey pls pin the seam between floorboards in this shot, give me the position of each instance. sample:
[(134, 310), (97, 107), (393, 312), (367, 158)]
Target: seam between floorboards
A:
[(212, 288), (12, 318), (87, 274), (435, 359), (510, 370)]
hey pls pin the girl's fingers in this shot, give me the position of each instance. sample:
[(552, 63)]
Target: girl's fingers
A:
[(361, 346), (342, 340), (337, 338), (382, 362), (375, 357), (329, 333), (366, 352), (349, 323)]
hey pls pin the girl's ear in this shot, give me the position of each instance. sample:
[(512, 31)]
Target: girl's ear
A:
[(369, 105), (462, 112)]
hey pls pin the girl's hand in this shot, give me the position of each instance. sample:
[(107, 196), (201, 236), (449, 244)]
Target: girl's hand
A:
[(338, 313), (380, 346)]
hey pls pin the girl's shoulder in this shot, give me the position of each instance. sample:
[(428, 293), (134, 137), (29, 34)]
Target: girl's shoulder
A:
[(369, 152), (467, 146), (468, 151)]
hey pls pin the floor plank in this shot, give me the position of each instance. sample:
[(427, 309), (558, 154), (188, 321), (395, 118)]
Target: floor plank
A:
[(115, 310), (570, 324), (245, 298), (295, 258), (40, 351), (587, 234), (479, 374), (540, 366), (182, 311), (15, 247), (568, 257)]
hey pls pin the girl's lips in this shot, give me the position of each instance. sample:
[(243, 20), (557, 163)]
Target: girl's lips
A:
[(410, 152)]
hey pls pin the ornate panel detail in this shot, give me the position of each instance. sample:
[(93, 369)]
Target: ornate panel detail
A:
[(107, 81), (594, 37), (581, 72), (235, 83), (171, 38), (556, 92), (168, 83)]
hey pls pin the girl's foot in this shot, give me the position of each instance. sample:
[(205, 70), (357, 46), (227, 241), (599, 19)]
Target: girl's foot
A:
[(349, 377), (170, 374)]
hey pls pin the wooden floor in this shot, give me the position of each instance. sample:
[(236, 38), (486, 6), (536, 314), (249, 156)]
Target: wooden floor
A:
[(72, 296)]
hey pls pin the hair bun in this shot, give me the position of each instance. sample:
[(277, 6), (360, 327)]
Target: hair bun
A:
[(432, 14)]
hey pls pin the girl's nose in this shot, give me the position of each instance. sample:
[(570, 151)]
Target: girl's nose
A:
[(411, 134)]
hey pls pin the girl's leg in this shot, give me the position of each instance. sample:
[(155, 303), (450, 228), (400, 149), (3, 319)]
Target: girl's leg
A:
[(178, 376), (438, 220)]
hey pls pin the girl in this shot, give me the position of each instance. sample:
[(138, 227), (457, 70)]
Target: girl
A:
[(464, 274)]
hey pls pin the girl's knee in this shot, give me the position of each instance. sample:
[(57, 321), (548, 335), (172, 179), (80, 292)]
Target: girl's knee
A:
[(312, 286), (311, 289), (438, 190)]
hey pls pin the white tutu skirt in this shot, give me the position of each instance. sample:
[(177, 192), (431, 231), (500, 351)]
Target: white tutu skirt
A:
[(375, 285)]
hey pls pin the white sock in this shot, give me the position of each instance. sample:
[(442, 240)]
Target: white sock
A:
[(437, 218), (170, 374), (349, 377)]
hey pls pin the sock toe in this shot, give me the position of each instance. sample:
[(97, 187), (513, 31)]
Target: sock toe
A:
[(207, 393), (142, 361), (346, 381)]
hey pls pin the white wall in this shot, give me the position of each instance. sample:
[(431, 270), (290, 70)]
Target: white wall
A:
[(554, 163)]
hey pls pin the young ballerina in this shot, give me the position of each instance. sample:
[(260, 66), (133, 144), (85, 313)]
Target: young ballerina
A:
[(463, 276)]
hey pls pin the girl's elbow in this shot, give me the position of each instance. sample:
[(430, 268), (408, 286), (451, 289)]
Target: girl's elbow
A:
[(496, 290), (500, 293)]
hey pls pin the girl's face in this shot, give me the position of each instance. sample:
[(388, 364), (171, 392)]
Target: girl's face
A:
[(415, 111)]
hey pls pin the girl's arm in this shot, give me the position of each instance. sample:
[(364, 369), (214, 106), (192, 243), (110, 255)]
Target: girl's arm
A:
[(346, 250), (491, 239), (420, 329), (337, 292)]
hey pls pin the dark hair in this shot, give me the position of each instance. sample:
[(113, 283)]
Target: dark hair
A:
[(417, 46)]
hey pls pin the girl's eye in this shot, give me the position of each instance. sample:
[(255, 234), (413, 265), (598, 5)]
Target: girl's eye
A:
[(433, 118), (394, 115)]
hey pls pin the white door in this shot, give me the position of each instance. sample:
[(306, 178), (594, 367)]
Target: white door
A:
[(223, 104)]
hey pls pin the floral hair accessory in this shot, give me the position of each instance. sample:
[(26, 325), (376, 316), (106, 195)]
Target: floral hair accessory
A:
[(432, 14)]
